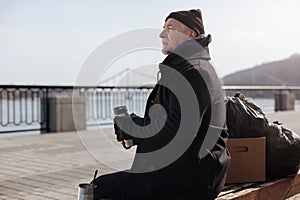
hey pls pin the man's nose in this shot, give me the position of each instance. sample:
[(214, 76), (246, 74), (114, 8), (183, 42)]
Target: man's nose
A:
[(163, 33)]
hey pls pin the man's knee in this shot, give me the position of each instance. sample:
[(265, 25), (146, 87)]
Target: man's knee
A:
[(110, 186)]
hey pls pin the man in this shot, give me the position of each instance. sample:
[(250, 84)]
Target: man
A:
[(181, 140)]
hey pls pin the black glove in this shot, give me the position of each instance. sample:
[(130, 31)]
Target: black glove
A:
[(120, 135)]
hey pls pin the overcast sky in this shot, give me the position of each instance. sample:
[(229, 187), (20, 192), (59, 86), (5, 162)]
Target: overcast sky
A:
[(47, 41)]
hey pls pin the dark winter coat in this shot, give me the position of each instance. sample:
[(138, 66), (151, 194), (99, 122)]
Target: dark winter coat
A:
[(189, 176)]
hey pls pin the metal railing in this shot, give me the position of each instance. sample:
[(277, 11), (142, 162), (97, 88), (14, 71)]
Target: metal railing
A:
[(22, 109), (264, 96), (25, 108), (101, 100)]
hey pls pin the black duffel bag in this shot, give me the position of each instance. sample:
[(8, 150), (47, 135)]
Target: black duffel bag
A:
[(245, 119)]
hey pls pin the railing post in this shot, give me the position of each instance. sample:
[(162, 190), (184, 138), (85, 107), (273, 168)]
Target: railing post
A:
[(66, 114), (44, 111), (284, 100)]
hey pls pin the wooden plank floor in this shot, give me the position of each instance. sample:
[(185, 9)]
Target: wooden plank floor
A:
[(46, 166)]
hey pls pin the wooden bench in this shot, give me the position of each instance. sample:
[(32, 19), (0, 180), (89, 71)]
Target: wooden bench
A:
[(270, 190)]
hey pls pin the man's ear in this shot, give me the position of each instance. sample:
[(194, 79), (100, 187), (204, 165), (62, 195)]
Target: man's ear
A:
[(193, 34)]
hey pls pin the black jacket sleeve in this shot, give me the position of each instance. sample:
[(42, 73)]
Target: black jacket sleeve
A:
[(161, 126)]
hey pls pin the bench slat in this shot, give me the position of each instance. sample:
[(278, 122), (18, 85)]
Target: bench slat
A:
[(280, 188), (295, 188), (235, 187)]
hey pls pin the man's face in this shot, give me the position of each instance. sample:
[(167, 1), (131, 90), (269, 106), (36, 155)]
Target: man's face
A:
[(174, 33)]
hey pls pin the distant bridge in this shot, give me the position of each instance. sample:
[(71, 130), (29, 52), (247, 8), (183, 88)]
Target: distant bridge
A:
[(128, 77)]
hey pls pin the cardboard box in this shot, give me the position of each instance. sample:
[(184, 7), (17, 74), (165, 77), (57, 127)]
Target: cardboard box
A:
[(248, 158)]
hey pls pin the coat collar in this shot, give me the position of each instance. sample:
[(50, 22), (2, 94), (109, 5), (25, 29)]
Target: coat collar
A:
[(196, 48)]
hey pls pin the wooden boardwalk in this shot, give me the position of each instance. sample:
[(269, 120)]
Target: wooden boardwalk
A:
[(51, 166)]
